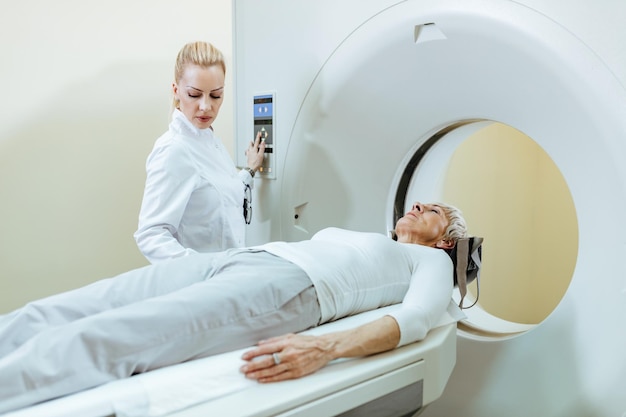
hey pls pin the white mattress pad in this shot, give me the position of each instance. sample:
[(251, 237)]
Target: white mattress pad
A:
[(168, 390)]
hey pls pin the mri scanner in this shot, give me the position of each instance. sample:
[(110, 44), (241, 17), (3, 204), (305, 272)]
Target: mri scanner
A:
[(363, 102)]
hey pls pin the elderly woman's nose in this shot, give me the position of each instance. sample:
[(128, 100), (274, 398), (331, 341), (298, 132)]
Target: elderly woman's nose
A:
[(417, 206)]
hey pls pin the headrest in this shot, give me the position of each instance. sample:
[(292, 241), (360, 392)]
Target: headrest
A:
[(467, 257)]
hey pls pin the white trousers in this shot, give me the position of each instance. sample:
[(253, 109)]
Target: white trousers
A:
[(148, 318)]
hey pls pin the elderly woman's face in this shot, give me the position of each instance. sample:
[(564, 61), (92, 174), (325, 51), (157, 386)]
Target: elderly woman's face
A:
[(424, 224)]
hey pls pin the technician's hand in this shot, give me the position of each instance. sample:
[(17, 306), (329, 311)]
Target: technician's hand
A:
[(287, 357), (255, 152)]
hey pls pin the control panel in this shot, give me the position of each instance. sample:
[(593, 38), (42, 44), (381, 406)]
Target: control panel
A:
[(264, 123)]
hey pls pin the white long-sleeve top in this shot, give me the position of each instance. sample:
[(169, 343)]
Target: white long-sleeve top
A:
[(354, 272), (193, 198)]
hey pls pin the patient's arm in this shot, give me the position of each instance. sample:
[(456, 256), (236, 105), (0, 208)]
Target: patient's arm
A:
[(302, 355)]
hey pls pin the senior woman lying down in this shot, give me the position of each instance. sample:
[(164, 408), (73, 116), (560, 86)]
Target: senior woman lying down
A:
[(205, 304)]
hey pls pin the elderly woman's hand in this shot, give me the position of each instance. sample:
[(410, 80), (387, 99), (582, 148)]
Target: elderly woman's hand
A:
[(287, 357), (295, 355)]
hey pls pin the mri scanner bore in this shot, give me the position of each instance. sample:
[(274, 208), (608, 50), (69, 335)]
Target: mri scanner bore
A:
[(525, 271), (529, 268)]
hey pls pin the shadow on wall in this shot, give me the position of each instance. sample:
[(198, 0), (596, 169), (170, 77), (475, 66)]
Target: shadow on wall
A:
[(71, 182)]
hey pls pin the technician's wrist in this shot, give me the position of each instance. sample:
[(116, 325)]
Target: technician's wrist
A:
[(250, 171)]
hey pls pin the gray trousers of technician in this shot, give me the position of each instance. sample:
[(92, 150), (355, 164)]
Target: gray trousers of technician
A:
[(148, 318)]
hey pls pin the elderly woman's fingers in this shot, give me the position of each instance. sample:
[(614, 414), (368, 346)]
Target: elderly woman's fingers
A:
[(289, 367), (265, 347), (286, 357)]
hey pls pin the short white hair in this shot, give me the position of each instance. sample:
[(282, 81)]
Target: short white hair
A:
[(457, 228)]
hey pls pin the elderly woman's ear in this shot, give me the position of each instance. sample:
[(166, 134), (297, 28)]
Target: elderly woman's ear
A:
[(445, 244)]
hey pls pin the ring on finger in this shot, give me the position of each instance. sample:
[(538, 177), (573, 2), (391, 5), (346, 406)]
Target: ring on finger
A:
[(276, 358)]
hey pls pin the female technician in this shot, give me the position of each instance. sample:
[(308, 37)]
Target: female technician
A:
[(194, 196)]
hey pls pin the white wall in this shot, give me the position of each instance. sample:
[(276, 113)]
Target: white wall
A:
[(86, 92)]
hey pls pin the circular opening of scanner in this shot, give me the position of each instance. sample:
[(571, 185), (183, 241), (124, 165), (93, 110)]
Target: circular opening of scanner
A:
[(514, 196)]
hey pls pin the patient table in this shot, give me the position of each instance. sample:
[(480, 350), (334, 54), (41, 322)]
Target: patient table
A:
[(411, 376)]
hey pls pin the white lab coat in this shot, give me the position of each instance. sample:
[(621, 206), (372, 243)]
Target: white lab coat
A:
[(193, 198)]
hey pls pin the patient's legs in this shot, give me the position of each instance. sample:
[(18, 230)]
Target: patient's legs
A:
[(234, 309), (130, 287)]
